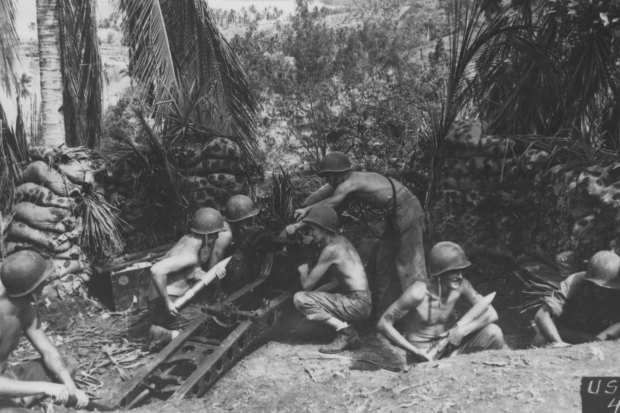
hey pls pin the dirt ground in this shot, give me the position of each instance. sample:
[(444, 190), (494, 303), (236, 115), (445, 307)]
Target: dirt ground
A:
[(294, 376), (289, 374)]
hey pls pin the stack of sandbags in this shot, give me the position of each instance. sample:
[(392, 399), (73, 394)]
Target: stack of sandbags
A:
[(214, 171), (45, 216)]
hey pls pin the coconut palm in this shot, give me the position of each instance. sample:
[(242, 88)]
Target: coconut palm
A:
[(187, 69), (173, 43)]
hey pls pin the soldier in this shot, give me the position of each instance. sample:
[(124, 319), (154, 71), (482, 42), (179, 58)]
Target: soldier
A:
[(586, 306), (184, 264), (352, 303), (425, 308), (400, 259), (240, 213), (22, 275)]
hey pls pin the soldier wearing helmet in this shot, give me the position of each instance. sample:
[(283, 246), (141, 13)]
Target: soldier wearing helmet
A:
[(585, 307), (184, 264), (400, 258), (22, 277), (240, 213), (352, 303), (425, 308)]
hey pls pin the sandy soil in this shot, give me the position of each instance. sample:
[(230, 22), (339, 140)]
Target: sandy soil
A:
[(289, 376)]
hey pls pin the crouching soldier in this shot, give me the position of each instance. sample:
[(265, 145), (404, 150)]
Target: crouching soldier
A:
[(22, 275), (586, 307), (425, 308), (182, 266), (352, 303)]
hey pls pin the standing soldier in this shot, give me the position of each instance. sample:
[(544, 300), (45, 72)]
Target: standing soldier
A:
[(400, 259)]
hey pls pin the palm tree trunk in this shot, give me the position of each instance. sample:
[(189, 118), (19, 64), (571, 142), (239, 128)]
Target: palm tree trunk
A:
[(53, 123)]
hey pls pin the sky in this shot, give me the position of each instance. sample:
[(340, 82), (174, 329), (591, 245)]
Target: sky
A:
[(27, 11)]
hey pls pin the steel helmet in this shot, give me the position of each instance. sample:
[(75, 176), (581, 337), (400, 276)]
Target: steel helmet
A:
[(334, 162), (603, 270), (240, 207), (323, 216), (207, 221), (446, 256), (22, 272)]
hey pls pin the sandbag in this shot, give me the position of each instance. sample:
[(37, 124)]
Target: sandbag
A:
[(12, 246), (19, 231), (229, 166), (198, 181), (226, 181), (45, 218), (63, 267), (221, 148), (187, 155), (39, 173), (200, 197), (72, 253), (41, 153), (78, 171), (40, 195)]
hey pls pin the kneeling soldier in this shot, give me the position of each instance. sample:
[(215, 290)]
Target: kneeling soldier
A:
[(586, 307)]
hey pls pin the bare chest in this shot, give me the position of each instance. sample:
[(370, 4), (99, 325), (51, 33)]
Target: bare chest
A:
[(10, 332)]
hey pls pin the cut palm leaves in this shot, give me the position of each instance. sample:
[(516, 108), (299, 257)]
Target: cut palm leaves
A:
[(101, 230)]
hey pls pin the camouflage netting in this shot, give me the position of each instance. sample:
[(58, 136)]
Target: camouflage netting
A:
[(46, 218), (499, 193), (210, 173)]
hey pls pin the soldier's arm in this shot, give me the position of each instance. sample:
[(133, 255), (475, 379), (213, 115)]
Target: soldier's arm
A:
[(160, 271), (53, 361), (326, 259), (338, 197), (545, 324), (223, 241), (409, 300)]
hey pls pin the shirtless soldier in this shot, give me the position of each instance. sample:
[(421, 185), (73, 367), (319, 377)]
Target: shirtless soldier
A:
[(339, 256), (23, 274), (400, 259), (426, 307), (184, 264)]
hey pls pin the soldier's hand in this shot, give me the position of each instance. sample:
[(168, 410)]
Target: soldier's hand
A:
[(290, 229), (59, 392), (300, 213), (455, 335), (303, 269), (81, 398), (172, 309)]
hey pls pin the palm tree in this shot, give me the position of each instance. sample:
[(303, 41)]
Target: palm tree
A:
[(48, 31), (175, 45), (188, 70)]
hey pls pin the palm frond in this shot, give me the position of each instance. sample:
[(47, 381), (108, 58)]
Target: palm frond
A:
[(470, 35), (82, 72), (9, 44), (151, 60), (205, 61), (101, 233)]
